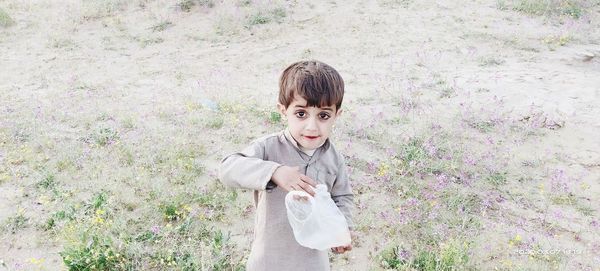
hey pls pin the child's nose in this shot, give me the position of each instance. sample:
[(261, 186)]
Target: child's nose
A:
[(312, 124)]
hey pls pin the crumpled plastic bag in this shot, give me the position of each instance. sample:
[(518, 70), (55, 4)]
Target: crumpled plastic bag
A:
[(316, 221)]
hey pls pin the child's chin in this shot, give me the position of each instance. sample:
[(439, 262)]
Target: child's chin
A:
[(312, 144)]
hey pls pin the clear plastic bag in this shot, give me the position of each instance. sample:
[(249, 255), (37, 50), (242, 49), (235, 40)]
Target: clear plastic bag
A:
[(317, 222)]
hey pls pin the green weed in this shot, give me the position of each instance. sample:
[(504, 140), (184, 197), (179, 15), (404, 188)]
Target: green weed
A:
[(450, 256), (105, 136), (485, 126), (16, 222), (174, 211), (162, 26), (57, 217), (571, 8), (95, 252), (216, 122), (490, 61), (5, 19), (48, 182), (497, 178), (274, 117), (98, 201), (96, 9), (261, 16)]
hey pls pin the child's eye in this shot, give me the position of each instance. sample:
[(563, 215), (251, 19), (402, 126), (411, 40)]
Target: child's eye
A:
[(300, 114), (324, 116)]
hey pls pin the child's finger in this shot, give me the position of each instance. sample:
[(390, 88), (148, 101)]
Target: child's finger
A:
[(307, 188), (308, 180)]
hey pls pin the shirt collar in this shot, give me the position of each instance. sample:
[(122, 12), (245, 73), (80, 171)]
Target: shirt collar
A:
[(308, 152)]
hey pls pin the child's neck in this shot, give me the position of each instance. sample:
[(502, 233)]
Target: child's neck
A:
[(307, 151)]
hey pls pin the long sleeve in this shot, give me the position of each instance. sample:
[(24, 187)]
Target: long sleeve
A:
[(342, 195), (247, 169)]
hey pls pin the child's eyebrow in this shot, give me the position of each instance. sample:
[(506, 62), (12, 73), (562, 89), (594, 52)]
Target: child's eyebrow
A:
[(322, 108)]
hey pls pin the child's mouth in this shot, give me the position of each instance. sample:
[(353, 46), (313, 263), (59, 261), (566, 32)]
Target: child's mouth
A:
[(311, 137)]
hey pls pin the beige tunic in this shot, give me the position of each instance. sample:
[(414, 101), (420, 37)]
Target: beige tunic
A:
[(274, 246)]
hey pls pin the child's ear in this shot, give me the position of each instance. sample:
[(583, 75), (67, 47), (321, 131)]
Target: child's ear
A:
[(281, 109), (338, 113)]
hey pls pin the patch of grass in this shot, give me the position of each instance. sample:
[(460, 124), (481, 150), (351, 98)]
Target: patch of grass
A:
[(187, 5), (585, 210), (259, 18), (483, 126), (145, 42), (556, 40), (395, 3), (565, 199), (47, 182), (449, 256), (64, 164), (96, 9), (16, 222), (62, 43), (126, 157), (128, 123), (274, 117), (174, 211), (59, 216), (105, 136), (162, 26), (95, 252), (98, 201), (216, 122), (447, 92), (5, 19), (497, 178), (265, 16), (571, 8), (490, 61)]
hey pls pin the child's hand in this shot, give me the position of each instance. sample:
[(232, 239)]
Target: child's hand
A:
[(348, 247), (342, 249), (289, 178)]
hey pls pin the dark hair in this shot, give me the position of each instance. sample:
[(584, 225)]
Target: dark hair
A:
[(318, 83)]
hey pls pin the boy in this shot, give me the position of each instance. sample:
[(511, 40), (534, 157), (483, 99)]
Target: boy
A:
[(298, 158)]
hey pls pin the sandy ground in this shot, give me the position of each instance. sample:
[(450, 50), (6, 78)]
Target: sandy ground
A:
[(59, 71)]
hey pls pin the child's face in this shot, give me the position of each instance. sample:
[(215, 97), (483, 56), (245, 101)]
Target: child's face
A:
[(310, 126)]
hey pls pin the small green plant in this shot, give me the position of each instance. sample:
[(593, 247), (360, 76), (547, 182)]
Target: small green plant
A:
[(173, 211), (17, 222), (105, 136), (483, 126), (490, 61), (262, 16), (571, 8), (95, 252), (275, 117), (128, 123), (258, 18), (447, 257), (162, 26), (497, 178), (554, 40), (98, 200), (47, 182), (565, 199), (186, 5), (145, 42), (59, 216), (99, 9), (5, 19), (206, 3), (216, 122)]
